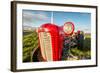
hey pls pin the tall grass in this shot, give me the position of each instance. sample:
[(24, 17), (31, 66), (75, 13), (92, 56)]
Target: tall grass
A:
[(30, 41)]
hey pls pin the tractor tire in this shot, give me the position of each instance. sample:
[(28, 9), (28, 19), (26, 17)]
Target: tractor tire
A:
[(37, 57)]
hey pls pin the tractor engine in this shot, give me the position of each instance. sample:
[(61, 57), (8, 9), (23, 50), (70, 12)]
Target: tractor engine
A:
[(51, 39)]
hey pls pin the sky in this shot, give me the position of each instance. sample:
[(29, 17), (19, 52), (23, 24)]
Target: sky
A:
[(82, 21)]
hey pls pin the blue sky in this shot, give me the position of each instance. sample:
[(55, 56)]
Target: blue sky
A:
[(82, 21)]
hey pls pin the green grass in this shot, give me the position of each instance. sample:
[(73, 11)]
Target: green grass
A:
[(81, 54), (87, 42), (30, 41), (86, 51)]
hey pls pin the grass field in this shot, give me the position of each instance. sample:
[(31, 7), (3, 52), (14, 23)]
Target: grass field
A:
[(30, 41), (85, 53)]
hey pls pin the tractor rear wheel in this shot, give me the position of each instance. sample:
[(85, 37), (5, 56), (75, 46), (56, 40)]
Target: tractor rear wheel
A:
[(37, 57)]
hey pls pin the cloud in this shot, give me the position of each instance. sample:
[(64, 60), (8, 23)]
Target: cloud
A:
[(86, 29), (30, 18)]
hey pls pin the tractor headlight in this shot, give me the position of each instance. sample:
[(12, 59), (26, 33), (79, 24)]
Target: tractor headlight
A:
[(68, 28)]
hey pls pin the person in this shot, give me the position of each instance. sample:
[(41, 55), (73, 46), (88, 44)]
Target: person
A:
[(80, 40)]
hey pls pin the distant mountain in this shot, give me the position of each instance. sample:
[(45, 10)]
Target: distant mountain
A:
[(29, 28)]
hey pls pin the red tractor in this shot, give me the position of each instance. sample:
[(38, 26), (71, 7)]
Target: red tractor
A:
[(54, 40)]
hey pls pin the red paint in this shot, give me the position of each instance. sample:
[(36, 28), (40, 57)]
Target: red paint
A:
[(57, 36), (55, 39)]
